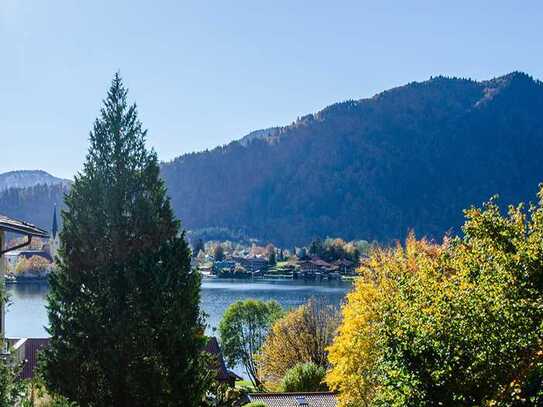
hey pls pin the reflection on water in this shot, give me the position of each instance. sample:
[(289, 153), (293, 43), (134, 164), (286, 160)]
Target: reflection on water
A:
[(27, 316), (218, 294)]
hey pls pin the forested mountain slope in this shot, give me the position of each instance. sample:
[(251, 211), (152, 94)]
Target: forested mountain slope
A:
[(411, 157), (34, 204)]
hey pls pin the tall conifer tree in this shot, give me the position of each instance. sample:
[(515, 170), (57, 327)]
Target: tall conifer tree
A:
[(124, 304)]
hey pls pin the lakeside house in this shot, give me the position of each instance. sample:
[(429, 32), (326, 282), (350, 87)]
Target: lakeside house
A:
[(309, 399), (224, 266), (344, 266), (315, 265), (252, 264), (238, 266)]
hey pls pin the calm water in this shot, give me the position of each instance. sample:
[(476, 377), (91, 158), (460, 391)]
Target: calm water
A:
[(27, 316)]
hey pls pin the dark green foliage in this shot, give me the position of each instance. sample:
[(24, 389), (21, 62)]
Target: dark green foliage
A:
[(218, 234), (272, 258), (218, 253), (123, 305), (316, 248), (11, 388), (304, 377), (411, 157), (335, 249), (198, 247)]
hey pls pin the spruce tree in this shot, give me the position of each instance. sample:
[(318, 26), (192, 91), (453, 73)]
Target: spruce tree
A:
[(123, 307), (198, 247)]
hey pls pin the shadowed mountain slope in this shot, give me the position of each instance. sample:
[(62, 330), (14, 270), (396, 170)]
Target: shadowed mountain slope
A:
[(410, 157)]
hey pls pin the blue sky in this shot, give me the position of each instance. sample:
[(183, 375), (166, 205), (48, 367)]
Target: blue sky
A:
[(204, 73)]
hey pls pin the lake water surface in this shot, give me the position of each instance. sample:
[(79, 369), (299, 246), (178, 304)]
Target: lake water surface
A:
[(27, 316)]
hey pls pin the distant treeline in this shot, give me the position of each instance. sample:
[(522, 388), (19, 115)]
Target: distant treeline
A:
[(34, 204)]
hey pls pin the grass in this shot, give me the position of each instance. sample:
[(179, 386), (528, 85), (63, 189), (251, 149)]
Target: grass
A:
[(245, 385)]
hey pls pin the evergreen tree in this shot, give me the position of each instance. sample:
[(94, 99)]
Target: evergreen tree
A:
[(123, 307), (198, 247), (316, 248), (218, 253)]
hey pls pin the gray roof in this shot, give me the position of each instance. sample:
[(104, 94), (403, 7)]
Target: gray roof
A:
[(318, 399), (19, 226)]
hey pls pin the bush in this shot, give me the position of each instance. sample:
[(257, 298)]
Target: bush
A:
[(304, 377)]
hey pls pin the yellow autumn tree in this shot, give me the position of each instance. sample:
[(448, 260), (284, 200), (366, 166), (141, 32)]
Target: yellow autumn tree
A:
[(35, 264), (451, 324), (358, 348), (300, 336)]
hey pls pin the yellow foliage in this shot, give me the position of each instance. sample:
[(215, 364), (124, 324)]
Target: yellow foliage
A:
[(33, 264), (301, 336), (356, 350), (451, 324)]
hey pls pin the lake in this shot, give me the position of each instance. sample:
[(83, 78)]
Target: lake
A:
[(27, 316)]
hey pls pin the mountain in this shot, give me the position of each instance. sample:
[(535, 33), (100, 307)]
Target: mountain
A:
[(28, 178), (259, 134), (32, 195), (412, 157), (34, 204)]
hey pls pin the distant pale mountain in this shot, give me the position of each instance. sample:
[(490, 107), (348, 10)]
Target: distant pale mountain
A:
[(28, 178), (411, 157)]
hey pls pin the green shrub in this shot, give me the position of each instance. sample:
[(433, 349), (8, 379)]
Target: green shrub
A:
[(304, 377)]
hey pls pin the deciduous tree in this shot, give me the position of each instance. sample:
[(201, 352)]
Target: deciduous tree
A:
[(243, 329), (300, 336)]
